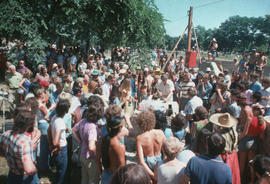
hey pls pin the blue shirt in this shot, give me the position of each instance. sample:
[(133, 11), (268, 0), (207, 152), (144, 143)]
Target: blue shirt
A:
[(205, 169), (54, 97), (208, 88), (256, 86)]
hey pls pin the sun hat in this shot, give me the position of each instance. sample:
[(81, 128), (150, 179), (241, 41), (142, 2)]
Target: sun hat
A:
[(214, 40), (138, 68), (125, 66), (111, 71), (95, 72), (223, 120), (54, 65)]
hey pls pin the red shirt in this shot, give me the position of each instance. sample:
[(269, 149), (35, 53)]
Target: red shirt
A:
[(255, 128)]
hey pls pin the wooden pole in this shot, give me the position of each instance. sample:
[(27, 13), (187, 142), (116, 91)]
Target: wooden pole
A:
[(189, 29), (174, 49)]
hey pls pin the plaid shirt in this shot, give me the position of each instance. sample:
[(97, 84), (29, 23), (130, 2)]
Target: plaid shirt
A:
[(17, 149)]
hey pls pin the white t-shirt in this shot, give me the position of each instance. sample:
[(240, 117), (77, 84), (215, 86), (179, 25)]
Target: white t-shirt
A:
[(192, 104), (166, 89), (58, 124)]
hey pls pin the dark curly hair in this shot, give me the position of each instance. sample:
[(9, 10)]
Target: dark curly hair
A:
[(161, 120), (146, 120), (95, 109), (178, 122)]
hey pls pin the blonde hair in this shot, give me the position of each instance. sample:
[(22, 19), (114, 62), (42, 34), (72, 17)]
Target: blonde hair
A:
[(27, 74), (171, 147), (39, 92), (65, 96)]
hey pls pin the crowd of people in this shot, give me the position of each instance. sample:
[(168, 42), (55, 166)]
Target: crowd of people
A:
[(79, 110)]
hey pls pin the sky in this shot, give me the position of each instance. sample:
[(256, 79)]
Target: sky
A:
[(207, 13)]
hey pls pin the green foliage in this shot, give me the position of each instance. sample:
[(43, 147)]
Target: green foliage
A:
[(37, 24), (235, 34)]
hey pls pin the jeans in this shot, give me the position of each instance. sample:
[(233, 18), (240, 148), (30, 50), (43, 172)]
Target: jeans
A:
[(106, 177), (44, 147), (19, 179), (61, 165)]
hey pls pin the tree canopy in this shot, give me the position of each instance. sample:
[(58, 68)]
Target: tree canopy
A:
[(37, 24), (235, 34)]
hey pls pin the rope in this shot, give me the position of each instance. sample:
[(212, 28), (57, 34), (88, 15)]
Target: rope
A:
[(196, 39), (174, 49)]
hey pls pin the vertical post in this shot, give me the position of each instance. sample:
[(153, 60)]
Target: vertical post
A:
[(188, 52), (189, 28)]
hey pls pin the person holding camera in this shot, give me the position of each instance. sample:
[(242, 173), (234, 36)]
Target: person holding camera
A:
[(220, 99), (204, 88), (212, 49)]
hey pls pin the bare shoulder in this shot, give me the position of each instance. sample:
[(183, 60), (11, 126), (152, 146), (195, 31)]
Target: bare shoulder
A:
[(116, 144), (158, 133)]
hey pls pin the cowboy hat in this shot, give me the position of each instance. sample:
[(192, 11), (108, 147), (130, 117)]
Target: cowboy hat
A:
[(223, 120), (267, 119)]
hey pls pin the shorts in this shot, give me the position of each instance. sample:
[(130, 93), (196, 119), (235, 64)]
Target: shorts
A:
[(214, 53), (251, 67), (259, 69), (248, 143)]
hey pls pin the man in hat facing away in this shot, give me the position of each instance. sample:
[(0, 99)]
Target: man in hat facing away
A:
[(225, 124)]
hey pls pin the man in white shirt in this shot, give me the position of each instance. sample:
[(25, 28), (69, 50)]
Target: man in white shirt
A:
[(75, 101), (165, 88), (193, 103), (107, 87)]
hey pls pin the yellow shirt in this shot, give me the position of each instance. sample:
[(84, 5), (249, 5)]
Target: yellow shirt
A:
[(85, 89)]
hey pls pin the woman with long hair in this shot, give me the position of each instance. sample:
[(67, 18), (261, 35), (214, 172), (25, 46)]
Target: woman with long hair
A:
[(126, 98)]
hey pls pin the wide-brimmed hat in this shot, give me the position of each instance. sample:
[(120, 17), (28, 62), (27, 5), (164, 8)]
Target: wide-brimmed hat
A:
[(223, 120), (214, 40), (267, 119)]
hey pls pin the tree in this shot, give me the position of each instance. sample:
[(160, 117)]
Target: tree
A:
[(37, 24)]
